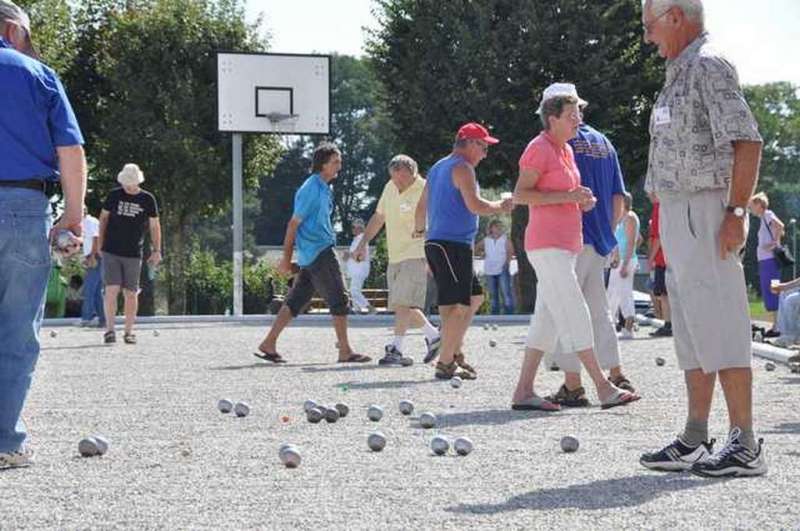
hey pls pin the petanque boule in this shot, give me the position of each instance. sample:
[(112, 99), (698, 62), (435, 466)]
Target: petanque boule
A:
[(455, 382), (427, 420), (308, 405), (225, 405), (462, 446), (375, 413), (101, 443), (285, 446), (440, 445), (376, 441), (343, 409), (569, 444), (291, 457), (87, 447), (492, 343), (156, 333), (769, 366), (332, 415), (494, 327), (242, 409), (486, 327), (53, 333), (406, 407), (660, 361), (315, 415)]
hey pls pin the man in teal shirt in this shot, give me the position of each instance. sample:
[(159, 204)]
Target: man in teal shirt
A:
[(310, 230)]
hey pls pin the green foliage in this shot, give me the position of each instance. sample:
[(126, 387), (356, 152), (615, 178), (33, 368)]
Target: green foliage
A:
[(144, 88), (53, 31)]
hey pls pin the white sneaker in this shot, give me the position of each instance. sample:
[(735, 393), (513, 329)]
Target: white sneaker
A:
[(17, 459), (626, 334)]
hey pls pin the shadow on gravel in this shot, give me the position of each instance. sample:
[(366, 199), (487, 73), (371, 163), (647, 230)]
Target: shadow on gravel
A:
[(343, 367), (265, 365), (787, 380), (395, 384), (488, 417), (791, 428), (77, 347), (604, 494)]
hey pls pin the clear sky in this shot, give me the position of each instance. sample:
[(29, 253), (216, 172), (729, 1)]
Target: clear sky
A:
[(761, 38)]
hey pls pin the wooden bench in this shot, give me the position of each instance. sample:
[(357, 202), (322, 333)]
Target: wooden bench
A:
[(379, 298)]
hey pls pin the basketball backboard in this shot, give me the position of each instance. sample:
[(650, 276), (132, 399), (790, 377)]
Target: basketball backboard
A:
[(274, 93)]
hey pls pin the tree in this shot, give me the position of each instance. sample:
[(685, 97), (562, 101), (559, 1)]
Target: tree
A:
[(53, 31), (360, 130), (144, 81), (776, 107), (490, 61)]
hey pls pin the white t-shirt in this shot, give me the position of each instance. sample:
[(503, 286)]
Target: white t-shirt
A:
[(496, 255), (91, 230), (354, 267)]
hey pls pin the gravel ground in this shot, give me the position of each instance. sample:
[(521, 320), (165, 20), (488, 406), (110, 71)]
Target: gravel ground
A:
[(176, 462)]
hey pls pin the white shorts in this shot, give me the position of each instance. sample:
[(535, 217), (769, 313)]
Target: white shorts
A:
[(589, 268), (707, 295), (561, 315)]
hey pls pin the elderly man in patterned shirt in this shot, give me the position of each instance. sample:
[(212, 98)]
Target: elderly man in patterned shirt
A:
[(704, 157)]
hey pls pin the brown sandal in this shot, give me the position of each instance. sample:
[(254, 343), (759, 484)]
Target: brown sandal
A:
[(446, 371), (623, 383), (567, 398), (461, 362)]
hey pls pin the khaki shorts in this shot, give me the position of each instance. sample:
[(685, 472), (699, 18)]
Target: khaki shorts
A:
[(707, 295), (408, 283)]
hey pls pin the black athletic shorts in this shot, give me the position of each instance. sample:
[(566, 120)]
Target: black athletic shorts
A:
[(324, 276), (660, 281), (451, 265)]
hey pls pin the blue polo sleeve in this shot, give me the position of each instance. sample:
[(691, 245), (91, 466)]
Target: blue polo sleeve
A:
[(306, 202), (61, 120)]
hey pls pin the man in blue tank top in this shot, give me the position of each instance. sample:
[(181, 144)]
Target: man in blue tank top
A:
[(600, 171), (452, 202)]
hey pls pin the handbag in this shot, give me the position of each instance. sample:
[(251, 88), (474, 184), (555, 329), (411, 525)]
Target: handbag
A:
[(782, 255)]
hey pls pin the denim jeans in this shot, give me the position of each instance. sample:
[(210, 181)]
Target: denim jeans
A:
[(93, 294), (497, 284), (24, 269)]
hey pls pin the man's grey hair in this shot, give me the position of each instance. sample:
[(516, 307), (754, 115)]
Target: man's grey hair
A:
[(11, 12), (693, 9), (403, 162)]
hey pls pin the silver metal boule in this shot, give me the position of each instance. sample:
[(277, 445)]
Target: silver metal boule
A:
[(376, 441), (406, 407), (427, 420), (332, 415), (315, 415), (769, 366), (455, 382), (88, 447), (101, 443), (291, 457), (343, 409), (242, 409), (463, 446), (309, 405), (440, 445), (225, 405), (375, 413), (660, 361), (569, 444)]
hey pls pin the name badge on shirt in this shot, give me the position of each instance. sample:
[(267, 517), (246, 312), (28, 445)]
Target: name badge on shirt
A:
[(662, 115), (405, 208)]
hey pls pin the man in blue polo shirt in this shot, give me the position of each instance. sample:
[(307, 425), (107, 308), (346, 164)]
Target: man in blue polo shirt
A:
[(600, 171), (40, 143), (310, 230)]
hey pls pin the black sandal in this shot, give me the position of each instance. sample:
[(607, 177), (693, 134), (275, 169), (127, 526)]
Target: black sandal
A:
[(129, 338), (274, 357), (110, 337)]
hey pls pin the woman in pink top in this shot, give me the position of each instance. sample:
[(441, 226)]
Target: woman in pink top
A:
[(550, 184)]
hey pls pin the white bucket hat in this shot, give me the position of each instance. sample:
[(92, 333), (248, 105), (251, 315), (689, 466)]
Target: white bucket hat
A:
[(560, 89), (130, 175)]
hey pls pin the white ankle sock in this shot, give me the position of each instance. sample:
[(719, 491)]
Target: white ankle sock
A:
[(398, 342), (430, 331)]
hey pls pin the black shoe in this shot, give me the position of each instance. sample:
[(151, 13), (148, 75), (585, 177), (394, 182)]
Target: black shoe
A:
[(677, 456), (734, 460), (109, 337), (394, 357), (433, 349), (771, 333), (664, 331)]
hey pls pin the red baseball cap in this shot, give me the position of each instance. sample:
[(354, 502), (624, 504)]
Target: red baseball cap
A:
[(474, 131)]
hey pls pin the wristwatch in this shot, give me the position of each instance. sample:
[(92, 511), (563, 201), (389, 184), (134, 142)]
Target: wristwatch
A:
[(735, 210)]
